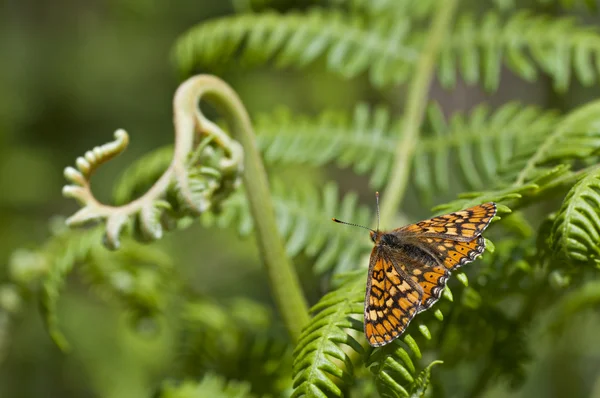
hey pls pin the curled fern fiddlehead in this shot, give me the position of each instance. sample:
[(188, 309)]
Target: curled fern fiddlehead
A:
[(205, 168)]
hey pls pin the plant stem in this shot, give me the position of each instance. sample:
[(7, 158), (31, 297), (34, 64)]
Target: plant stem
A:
[(415, 109), (281, 273)]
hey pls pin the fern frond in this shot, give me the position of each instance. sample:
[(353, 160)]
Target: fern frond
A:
[(387, 8), (211, 385), (579, 299), (61, 254), (138, 276), (542, 164), (140, 175), (525, 43), (576, 229), (366, 142), (566, 4), (239, 340), (296, 39), (322, 367), (11, 301), (304, 220), (391, 366), (482, 141), (322, 363)]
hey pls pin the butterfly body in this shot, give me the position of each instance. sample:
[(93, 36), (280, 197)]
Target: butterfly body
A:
[(409, 267)]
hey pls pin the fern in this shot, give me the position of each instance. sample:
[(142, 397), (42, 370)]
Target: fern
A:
[(319, 353), (137, 276), (387, 50), (61, 255), (299, 39), (576, 229), (139, 176), (301, 213), (11, 301), (567, 4), (140, 288), (557, 46), (584, 297), (387, 8), (533, 169), (516, 155), (321, 359), (211, 385), (484, 142), (392, 366), (230, 339)]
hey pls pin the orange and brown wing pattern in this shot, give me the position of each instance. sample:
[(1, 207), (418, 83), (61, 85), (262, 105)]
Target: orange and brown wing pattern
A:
[(392, 299), (431, 277), (454, 254), (445, 256), (464, 225)]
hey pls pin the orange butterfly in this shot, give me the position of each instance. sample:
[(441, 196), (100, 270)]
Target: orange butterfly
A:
[(409, 266)]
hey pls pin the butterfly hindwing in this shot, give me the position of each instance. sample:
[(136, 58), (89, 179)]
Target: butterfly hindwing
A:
[(431, 269), (431, 278), (392, 298)]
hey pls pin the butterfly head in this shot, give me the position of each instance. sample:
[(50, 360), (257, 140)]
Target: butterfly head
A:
[(375, 236)]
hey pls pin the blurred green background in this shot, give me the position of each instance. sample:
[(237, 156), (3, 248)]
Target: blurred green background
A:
[(72, 72)]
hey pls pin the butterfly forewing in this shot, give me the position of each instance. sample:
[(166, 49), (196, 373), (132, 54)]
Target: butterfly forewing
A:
[(392, 298), (464, 225)]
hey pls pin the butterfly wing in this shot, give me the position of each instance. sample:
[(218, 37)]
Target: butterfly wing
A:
[(392, 297), (408, 277), (429, 274), (464, 225), (442, 244)]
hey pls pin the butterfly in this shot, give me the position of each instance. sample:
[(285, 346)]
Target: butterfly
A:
[(409, 266)]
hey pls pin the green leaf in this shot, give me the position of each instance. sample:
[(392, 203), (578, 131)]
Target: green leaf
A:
[(349, 46), (576, 229)]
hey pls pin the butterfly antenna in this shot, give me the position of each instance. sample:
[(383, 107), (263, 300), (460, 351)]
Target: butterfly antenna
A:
[(377, 206), (354, 225)]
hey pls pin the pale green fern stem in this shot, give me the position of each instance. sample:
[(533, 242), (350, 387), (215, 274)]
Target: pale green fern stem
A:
[(282, 277), (415, 109)]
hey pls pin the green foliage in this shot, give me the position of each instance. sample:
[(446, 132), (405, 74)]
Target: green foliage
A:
[(321, 347), (476, 145), (135, 276), (523, 42), (351, 46), (576, 229), (388, 47), (238, 340), (525, 158), (210, 386), (300, 213)]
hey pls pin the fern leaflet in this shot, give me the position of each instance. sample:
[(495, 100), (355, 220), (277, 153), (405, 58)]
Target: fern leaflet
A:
[(576, 229), (351, 48)]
